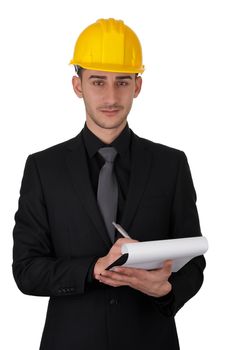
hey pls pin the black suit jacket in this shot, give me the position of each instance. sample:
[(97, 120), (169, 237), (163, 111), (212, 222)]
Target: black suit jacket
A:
[(59, 233)]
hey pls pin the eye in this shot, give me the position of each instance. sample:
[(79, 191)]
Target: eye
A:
[(98, 82), (122, 83)]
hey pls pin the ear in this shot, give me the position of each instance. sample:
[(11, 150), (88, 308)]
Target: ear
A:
[(138, 86), (77, 86)]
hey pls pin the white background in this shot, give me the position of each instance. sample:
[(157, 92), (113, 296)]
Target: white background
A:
[(186, 103)]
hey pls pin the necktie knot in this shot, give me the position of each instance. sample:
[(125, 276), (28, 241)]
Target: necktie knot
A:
[(108, 153)]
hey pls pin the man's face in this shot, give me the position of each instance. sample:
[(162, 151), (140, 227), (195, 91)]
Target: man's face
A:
[(107, 96)]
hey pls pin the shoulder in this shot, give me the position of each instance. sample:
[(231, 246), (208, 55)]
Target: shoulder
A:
[(160, 150), (52, 159), (58, 150)]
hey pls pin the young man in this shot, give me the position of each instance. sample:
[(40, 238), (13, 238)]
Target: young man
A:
[(71, 193)]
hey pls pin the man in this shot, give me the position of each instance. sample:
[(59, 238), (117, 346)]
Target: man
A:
[(64, 238)]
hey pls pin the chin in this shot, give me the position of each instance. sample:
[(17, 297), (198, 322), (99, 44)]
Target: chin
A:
[(110, 124)]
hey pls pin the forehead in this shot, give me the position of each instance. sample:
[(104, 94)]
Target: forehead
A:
[(87, 73)]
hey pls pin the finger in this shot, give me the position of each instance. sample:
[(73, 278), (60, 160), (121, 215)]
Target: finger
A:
[(167, 267), (115, 276), (166, 288), (135, 278), (122, 278), (131, 272), (112, 281), (164, 272), (168, 263), (122, 241)]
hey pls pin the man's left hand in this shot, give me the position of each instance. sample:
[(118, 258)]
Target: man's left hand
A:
[(154, 283)]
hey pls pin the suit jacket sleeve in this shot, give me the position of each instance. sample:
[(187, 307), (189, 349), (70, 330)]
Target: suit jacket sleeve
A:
[(184, 223), (35, 268)]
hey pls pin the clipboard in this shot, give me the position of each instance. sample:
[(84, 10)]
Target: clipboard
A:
[(150, 255)]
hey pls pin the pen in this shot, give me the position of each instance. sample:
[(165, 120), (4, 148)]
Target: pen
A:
[(121, 230)]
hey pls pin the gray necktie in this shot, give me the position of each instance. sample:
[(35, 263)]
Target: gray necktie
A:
[(107, 193)]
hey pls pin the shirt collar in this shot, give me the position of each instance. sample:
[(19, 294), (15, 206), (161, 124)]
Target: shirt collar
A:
[(93, 143)]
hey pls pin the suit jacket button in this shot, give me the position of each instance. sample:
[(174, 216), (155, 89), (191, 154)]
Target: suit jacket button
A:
[(113, 302)]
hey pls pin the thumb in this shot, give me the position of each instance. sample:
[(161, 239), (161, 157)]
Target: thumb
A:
[(167, 266)]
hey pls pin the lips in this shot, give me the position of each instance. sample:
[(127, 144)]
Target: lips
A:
[(110, 111)]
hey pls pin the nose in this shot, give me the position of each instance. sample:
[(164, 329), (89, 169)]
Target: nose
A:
[(111, 94)]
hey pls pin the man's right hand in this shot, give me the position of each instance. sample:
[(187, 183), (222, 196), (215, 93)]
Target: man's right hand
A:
[(113, 254)]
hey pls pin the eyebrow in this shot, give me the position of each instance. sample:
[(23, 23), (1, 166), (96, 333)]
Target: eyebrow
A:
[(105, 78), (124, 77)]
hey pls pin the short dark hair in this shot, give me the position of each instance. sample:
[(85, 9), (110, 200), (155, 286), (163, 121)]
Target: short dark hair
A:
[(78, 70)]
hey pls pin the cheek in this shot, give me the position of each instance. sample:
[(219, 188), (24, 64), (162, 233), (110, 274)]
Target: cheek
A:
[(89, 99), (127, 99), (128, 95), (93, 98)]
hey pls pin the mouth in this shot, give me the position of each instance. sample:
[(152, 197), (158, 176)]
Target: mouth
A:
[(110, 112)]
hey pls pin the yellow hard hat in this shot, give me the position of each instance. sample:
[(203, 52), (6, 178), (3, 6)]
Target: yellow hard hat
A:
[(108, 45)]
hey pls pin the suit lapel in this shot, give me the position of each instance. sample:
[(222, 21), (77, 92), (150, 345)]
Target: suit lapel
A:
[(78, 168), (140, 167)]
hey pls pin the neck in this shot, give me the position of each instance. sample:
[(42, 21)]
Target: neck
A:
[(106, 135)]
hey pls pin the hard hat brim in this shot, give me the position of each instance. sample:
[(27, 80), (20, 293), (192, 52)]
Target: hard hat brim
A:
[(109, 67)]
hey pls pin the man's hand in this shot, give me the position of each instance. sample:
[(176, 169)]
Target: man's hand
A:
[(113, 254), (154, 283)]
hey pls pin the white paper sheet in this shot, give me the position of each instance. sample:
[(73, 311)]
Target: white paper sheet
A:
[(150, 255)]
